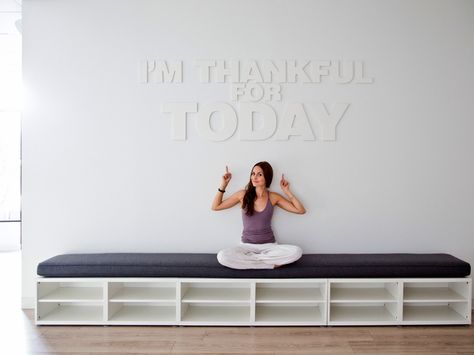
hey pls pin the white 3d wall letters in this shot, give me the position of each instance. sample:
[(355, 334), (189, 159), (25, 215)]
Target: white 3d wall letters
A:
[(253, 85)]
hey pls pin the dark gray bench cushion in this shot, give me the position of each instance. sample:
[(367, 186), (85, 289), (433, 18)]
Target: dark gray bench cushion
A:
[(206, 266)]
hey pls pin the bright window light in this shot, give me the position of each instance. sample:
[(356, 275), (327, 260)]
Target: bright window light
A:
[(10, 111)]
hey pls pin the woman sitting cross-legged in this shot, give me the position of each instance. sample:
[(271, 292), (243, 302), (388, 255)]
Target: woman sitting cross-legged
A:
[(258, 248)]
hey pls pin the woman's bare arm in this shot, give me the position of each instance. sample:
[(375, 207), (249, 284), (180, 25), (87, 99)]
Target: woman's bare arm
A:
[(292, 204), (218, 203)]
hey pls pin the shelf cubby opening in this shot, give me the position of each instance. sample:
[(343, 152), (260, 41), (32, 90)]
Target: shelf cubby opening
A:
[(285, 313), (232, 313), (70, 292), (382, 292), (70, 312), (142, 292), (363, 313), (436, 291), (212, 292), (436, 312), (297, 292), (123, 312)]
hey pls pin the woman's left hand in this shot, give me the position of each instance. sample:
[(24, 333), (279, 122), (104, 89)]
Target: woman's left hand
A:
[(292, 204), (285, 185)]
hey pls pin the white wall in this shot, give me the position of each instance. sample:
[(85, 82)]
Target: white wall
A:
[(101, 173)]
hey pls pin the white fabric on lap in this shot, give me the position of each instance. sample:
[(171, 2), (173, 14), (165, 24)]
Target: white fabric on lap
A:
[(259, 256)]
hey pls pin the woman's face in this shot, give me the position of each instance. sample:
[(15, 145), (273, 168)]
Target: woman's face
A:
[(257, 177)]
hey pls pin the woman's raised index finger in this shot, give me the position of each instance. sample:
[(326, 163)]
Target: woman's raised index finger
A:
[(226, 169)]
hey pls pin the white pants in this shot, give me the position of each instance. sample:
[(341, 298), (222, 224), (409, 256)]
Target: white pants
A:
[(259, 256)]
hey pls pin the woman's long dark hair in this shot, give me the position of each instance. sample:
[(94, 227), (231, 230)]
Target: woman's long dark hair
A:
[(250, 193)]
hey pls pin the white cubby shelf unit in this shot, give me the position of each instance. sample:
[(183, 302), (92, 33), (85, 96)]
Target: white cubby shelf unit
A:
[(254, 302)]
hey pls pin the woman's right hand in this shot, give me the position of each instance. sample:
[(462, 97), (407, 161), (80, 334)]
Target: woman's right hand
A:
[(226, 178)]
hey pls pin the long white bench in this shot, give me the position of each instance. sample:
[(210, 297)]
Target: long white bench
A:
[(269, 300)]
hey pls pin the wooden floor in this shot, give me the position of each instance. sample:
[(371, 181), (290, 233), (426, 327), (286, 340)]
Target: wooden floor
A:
[(23, 337)]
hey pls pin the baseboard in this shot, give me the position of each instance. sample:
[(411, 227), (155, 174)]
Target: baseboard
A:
[(27, 303)]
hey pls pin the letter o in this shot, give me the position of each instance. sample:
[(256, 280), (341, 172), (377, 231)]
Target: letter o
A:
[(252, 88), (229, 118)]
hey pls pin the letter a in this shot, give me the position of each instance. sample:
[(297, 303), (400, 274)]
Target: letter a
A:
[(295, 123)]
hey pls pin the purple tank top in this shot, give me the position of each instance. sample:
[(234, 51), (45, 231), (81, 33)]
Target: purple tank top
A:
[(257, 228)]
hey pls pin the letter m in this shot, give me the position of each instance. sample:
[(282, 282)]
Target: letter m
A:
[(161, 71)]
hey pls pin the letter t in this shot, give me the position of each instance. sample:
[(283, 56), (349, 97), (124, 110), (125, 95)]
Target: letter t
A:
[(179, 111)]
